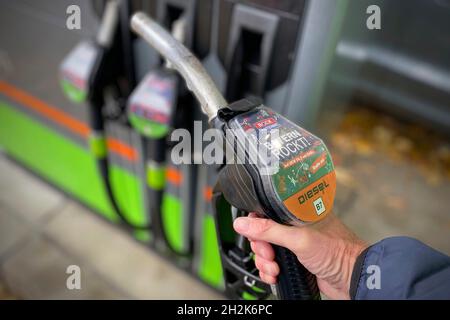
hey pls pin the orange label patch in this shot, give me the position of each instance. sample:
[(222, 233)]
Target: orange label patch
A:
[(314, 202)]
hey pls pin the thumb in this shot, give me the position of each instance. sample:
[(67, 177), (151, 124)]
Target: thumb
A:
[(267, 230)]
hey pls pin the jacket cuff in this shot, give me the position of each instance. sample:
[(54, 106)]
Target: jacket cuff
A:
[(357, 272)]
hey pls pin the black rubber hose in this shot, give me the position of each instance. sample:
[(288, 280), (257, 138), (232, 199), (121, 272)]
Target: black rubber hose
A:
[(97, 125), (155, 211), (155, 151), (295, 282), (155, 225), (104, 173)]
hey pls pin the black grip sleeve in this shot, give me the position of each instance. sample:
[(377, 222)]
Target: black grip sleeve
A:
[(295, 282)]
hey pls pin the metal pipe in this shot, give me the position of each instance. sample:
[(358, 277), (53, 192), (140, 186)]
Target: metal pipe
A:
[(109, 23), (184, 61)]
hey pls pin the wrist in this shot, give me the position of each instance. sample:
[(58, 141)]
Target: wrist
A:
[(352, 250)]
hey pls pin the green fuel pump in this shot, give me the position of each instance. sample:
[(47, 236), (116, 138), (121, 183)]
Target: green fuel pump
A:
[(90, 70), (155, 107)]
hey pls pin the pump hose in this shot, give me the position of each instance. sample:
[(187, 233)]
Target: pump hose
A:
[(102, 164)]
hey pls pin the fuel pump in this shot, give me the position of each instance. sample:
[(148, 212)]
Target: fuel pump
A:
[(150, 110), (257, 185), (159, 104), (96, 71)]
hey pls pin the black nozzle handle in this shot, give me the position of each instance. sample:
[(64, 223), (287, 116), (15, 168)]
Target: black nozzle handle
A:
[(295, 282)]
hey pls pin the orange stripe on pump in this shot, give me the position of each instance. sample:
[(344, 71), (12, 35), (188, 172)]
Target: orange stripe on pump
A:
[(122, 149), (207, 193), (174, 176), (63, 119), (45, 109)]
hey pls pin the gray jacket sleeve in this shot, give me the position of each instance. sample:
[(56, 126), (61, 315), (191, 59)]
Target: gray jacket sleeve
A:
[(401, 268)]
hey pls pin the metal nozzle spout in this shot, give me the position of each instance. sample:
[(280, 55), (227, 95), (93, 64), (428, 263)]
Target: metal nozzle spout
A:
[(184, 61)]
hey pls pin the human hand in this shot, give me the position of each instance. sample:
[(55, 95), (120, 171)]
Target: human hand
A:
[(327, 249)]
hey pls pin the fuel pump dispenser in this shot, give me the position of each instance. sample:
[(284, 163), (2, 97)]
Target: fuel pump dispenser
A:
[(98, 71), (160, 104)]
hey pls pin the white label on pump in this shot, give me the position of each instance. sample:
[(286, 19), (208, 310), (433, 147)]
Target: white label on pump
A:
[(153, 98), (77, 66), (319, 206)]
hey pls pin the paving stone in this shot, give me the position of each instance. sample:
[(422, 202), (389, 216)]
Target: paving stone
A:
[(27, 196), (5, 293), (12, 230), (38, 271), (127, 263)]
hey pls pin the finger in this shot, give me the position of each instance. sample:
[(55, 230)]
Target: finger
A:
[(266, 266), (252, 215), (267, 230), (263, 249), (267, 278)]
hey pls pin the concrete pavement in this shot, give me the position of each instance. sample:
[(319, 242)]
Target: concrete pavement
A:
[(42, 232)]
